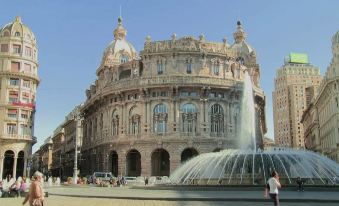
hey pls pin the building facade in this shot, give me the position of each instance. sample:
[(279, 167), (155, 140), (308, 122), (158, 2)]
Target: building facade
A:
[(58, 139), (42, 158), (18, 84), (321, 119), (146, 114), (72, 128), (296, 83)]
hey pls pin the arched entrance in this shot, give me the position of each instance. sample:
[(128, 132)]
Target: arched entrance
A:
[(20, 164), (133, 163), (8, 164), (188, 154), (160, 163), (114, 163)]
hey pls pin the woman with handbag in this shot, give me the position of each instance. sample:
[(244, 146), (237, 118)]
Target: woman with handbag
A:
[(35, 195)]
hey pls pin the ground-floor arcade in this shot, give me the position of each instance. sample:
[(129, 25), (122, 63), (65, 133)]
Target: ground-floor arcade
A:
[(14, 159), (144, 158)]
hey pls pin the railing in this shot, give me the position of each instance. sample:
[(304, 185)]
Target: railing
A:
[(18, 137)]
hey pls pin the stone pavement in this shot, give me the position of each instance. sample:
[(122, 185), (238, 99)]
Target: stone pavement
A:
[(182, 195), (78, 201)]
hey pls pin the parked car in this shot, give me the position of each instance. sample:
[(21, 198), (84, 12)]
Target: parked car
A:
[(104, 176), (130, 180), (89, 179)]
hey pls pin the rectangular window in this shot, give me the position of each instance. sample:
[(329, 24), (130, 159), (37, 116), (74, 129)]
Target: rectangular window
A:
[(25, 97), (189, 68), (26, 83), (15, 66), (24, 114), (14, 81), (12, 113), (16, 48), (216, 69), (11, 128), (4, 47), (27, 68), (13, 96), (28, 51), (24, 129), (160, 68)]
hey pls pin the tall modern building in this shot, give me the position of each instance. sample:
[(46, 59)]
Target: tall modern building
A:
[(18, 84), (321, 119), (296, 83), (147, 113)]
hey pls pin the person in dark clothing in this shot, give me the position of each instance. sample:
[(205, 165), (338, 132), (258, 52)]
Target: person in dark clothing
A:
[(146, 181), (300, 184)]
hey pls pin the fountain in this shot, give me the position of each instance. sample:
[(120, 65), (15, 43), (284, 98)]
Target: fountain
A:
[(251, 166)]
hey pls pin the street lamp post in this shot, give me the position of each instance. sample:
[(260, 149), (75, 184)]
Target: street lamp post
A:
[(77, 134)]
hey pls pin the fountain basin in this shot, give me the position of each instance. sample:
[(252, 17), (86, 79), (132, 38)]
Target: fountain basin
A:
[(249, 167)]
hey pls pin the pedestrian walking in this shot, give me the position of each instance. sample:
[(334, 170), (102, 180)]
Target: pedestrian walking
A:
[(273, 184), (300, 184), (35, 196)]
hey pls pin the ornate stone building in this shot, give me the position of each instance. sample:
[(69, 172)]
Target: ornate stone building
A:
[(148, 113), (18, 84), (321, 119), (296, 82)]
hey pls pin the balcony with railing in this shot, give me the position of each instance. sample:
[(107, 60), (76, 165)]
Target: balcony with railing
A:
[(18, 137)]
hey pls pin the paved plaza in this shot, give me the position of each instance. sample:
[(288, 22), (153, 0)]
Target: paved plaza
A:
[(79, 201), (92, 196)]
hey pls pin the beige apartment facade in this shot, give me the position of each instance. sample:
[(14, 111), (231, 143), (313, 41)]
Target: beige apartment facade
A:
[(296, 82), (321, 119), (146, 114), (18, 84)]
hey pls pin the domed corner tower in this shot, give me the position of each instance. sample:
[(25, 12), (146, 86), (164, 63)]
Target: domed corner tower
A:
[(179, 98), (19, 81)]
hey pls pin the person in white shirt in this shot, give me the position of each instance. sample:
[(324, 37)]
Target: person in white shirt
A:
[(273, 185)]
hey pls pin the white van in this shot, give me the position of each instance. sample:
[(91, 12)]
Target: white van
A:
[(104, 176)]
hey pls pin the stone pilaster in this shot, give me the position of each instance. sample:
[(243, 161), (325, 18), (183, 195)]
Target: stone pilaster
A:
[(25, 167), (14, 166), (1, 166)]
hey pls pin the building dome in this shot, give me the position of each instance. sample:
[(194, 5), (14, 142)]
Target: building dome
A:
[(119, 50), (335, 38), (17, 29)]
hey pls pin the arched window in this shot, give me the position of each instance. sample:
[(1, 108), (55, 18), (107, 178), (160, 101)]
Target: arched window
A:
[(216, 68), (17, 34), (123, 58), (189, 118), (134, 121), (160, 118), (217, 120), (115, 123)]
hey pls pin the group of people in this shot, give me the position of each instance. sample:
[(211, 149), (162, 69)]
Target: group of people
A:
[(32, 190), (11, 187)]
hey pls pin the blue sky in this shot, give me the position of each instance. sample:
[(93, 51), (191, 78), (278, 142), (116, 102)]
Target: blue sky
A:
[(72, 36)]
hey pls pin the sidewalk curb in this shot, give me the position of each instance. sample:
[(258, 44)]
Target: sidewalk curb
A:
[(198, 199)]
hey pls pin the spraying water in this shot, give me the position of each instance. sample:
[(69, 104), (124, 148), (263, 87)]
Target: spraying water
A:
[(247, 135)]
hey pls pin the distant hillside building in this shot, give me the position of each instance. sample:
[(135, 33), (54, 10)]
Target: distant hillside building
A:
[(296, 82)]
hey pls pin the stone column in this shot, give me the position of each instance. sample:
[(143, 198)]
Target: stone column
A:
[(175, 161), (149, 116), (14, 166), (146, 165), (25, 167), (1, 166)]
